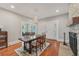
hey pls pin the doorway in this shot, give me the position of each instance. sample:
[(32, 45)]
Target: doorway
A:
[(52, 30)]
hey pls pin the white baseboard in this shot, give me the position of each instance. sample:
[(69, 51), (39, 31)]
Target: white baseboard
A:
[(13, 42)]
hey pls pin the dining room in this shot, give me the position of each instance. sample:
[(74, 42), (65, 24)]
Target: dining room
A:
[(34, 29)]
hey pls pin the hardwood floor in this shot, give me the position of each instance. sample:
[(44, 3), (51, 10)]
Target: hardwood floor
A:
[(52, 50)]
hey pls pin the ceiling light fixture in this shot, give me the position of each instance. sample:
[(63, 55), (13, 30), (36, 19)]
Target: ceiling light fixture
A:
[(57, 10), (35, 19), (12, 6)]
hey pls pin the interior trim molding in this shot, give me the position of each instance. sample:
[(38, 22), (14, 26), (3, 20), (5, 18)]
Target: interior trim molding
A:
[(15, 13), (46, 18)]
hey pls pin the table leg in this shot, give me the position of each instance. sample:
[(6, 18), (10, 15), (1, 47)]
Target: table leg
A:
[(30, 49), (24, 46)]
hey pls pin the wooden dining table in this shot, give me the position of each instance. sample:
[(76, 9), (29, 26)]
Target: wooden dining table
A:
[(28, 40)]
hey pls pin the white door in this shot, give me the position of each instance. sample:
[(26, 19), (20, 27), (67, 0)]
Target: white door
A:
[(52, 32)]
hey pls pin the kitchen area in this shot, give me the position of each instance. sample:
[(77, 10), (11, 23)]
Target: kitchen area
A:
[(73, 25)]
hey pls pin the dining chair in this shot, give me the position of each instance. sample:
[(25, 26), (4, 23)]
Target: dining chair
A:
[(38, 44), (42, 40)]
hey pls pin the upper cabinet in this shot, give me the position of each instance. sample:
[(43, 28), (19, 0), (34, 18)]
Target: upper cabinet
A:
[(75, 20)]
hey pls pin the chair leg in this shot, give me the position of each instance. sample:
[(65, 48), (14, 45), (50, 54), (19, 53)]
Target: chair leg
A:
[(36, 51), (40, 47)]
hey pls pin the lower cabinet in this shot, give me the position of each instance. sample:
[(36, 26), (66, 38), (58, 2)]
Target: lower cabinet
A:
[(73, 42)]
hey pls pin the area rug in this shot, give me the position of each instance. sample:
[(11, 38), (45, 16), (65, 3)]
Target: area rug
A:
[(21, 52), (65, 50)]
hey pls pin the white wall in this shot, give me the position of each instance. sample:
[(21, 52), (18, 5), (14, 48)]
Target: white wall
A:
[(11, 23), (61, 22)]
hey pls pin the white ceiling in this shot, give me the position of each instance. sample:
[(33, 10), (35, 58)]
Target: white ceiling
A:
[(41, 10)]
